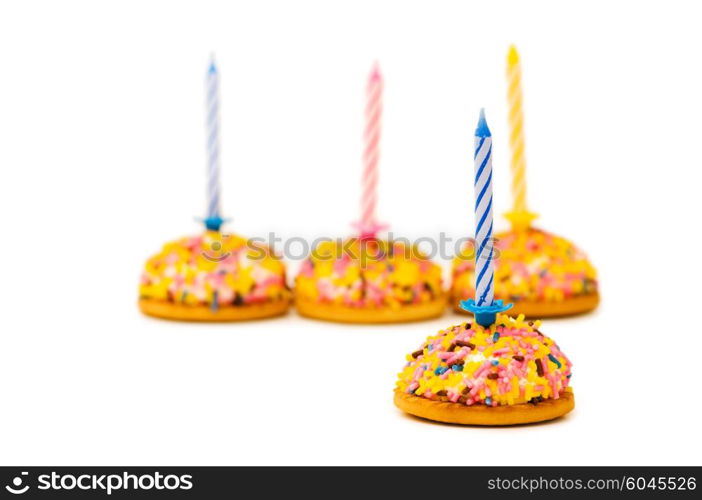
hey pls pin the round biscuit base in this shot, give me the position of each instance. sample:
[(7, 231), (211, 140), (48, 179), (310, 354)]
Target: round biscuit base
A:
[(568, 307), (178, 312), (456, 413), (344, 314)]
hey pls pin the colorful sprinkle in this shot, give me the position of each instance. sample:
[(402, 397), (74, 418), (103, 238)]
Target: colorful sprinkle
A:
[(504, 372), (539, 367), (554, 360), (461, 343)]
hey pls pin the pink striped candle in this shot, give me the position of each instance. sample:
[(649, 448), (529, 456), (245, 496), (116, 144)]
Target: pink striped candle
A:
[(368, 225)]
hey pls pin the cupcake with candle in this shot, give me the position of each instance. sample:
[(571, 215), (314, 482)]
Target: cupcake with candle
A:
[(214, 276), (365, 279), (496, 369), (543, 274)]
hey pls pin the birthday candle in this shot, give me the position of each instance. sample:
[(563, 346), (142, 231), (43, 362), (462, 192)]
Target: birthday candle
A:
[(371, 136), (484, 273), (516, 125), (213, 213)]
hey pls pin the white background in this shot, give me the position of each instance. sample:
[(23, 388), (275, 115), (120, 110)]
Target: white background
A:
[(102, 161)]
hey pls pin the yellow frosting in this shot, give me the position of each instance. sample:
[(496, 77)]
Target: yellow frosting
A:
[(510, 362), (530, 265), (368, 273), (215, 269)]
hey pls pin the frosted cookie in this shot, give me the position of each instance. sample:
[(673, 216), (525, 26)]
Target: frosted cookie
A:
[(505, 374), (369, 281), (541, 274), (214, 277)]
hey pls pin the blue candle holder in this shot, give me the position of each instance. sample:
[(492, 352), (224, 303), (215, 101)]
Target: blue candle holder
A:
[(485, 315), (213, 223)]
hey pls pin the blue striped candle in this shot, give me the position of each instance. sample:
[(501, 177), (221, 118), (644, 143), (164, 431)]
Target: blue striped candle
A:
[(484, 307), (213, 220), (484, 273)]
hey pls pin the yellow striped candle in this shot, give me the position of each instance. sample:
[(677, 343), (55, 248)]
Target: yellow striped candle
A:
[(520, 215), (516, 132)]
